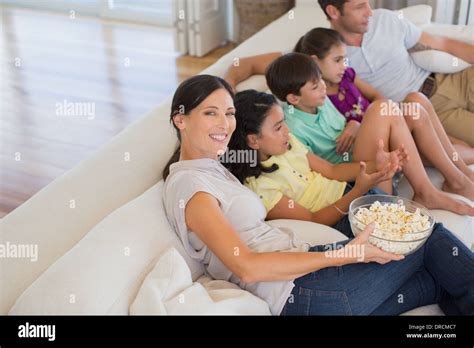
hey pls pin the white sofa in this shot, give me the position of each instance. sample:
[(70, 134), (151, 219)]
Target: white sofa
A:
[(100, 228)]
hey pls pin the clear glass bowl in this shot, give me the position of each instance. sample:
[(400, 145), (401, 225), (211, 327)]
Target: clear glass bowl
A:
[(397, 243)]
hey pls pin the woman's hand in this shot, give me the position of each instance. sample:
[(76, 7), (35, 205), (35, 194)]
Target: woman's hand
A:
[(364, 181), (398, 157), (368, 252), (347, 137)]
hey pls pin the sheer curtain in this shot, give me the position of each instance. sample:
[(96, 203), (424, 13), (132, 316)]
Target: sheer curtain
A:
[(444, 11), (389, 4)]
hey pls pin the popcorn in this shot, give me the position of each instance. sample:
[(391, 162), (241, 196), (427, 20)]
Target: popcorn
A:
[(394, 226)]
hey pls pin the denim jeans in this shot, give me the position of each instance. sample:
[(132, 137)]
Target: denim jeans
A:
[(343, 225), (441, 271)]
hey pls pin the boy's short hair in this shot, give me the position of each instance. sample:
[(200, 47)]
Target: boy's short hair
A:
[(339, 4), (287, 74)]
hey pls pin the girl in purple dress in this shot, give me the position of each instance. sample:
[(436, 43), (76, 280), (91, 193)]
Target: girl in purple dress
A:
[(352, 96)]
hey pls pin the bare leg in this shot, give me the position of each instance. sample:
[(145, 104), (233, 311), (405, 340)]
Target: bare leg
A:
[(465, 151), (394, 132), (435, 148), (366, 150), (445, 140)]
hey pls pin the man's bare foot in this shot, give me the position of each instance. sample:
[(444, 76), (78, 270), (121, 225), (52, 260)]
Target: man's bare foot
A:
[(466, 189), (441, 200)]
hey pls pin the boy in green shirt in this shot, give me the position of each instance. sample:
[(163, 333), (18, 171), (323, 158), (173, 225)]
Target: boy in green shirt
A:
[(296, 80), (318, 130)]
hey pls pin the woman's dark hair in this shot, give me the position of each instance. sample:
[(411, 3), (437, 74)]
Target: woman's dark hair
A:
[(318, 42), (288, 73), (187, 97), (252, 107)]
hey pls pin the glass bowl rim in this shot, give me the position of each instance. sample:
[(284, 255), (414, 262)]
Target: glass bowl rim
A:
[(352, 216)]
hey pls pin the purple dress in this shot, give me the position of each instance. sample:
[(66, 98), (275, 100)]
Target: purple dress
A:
[(354, 105)]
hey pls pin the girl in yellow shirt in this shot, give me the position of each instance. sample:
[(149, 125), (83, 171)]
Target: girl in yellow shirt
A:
[(292, 182)]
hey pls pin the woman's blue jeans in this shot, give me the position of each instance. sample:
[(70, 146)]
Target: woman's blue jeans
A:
[(441, 271)]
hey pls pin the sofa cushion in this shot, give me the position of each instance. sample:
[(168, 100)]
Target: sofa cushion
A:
[(103, 272), (169, 289), (310, 232), (420, 15), (439, 61)]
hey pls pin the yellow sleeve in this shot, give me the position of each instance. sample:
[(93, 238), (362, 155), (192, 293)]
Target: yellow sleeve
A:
[(267, 189), (296, 145)]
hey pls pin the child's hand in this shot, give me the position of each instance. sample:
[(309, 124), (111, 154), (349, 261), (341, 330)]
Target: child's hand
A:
[(397, 157), (347, 137), (364, 181)]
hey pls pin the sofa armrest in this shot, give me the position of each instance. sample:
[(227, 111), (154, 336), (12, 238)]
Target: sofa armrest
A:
[(60, 214)]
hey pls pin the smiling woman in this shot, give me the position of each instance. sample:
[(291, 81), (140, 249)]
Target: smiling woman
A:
[(202, 103)]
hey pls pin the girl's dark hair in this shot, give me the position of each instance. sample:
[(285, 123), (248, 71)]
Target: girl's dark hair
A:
[(252, 107), (318, 42), (288, 73), (187, 97)]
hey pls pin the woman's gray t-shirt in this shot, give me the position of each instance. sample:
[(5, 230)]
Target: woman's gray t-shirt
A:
[(245, 212)]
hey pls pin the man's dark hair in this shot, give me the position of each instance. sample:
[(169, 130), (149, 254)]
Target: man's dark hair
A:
[(339, 4), (287, 74)]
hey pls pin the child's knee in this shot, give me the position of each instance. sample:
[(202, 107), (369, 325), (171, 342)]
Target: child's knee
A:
[(416, 97), (384, 108), (416, 117), (417, 100)]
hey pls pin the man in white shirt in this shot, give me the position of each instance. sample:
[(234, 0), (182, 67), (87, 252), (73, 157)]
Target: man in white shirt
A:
[(378, 49)]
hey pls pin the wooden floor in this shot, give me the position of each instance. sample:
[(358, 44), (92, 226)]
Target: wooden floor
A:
[(49, 61)]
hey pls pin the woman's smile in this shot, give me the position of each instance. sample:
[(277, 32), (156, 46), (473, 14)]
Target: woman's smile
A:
[(219, 137)]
